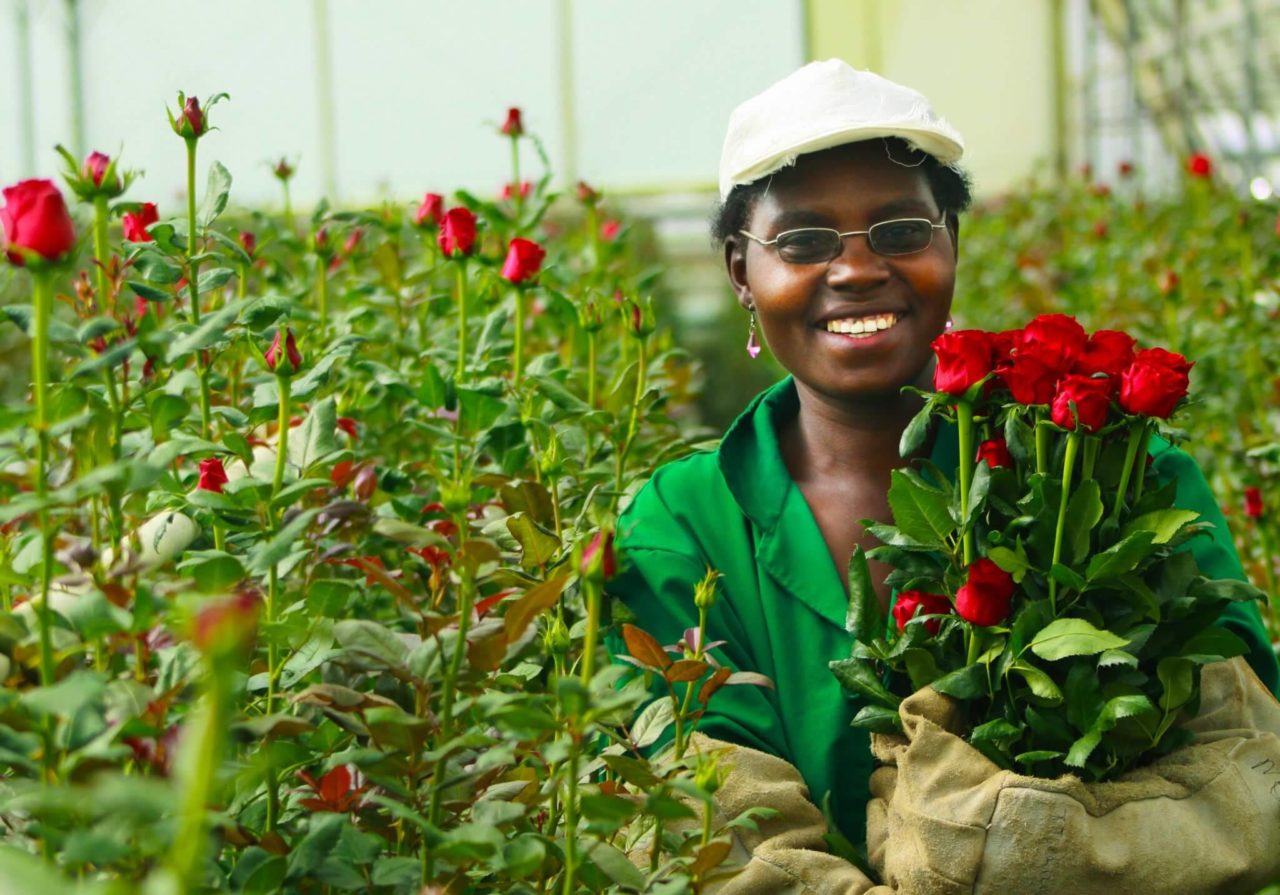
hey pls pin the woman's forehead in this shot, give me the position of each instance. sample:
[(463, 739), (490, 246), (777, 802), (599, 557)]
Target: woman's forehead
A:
[(858, 178)]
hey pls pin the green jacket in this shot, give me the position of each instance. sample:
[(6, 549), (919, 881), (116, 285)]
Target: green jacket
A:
[(781, 605)]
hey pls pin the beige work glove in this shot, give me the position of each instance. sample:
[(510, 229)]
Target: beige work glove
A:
[(787, 855), (1203, 819)]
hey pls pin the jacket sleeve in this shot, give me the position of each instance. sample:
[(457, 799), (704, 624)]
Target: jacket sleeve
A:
[(1216, 555)]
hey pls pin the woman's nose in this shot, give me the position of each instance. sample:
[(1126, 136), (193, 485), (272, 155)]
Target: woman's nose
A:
[(857, 266)]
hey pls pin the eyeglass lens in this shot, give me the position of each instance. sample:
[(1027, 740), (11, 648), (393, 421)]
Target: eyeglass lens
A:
[(812, 245)]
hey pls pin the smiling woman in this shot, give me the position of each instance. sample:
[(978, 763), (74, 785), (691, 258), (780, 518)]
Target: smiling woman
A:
[(840, 230)]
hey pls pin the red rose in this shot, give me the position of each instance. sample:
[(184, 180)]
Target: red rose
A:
[(212, 475), (135, 223), (273, 355), (599, 558), (524, 259), (1055, 339), (457, 232), (1107, 351), (1003, 344), (610, 229), (192, 120), (1253, 502), (1092, 398), (95, 167), (904, 610), (353, 240), (248, 242), (985, 597), (1030, 380), (964, 357), (1199, 165), (513, 126), (430, 212), (1125, 169), (1152, 388), (1162, 358), (35, 221), (508, 191), (995, 452), (348, 425)]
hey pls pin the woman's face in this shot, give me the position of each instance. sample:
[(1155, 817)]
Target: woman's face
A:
[(847, 188)]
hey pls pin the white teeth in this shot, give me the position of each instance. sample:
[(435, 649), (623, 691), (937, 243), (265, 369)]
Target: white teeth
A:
[(862, 326)]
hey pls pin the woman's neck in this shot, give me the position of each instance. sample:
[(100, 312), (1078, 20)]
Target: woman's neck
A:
[(846, 440)]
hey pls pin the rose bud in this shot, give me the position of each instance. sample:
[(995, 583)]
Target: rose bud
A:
[(457, 232), (513, 126), (1056, 340), (95, 168), (904, 610), (248, 242), (36, 223), (1168, 282), (1151, 388), (190, 122), (1125, 169), (985, 597), (353, 240), (524, 260), (639, 317), (290, 352), (587, 194), (226, 625), (1199, 165), (135, 223), (283, 170), (366, 482), (212, 475), (1107, 351), (348, 425), (964, 357), (995, 452), (1253, 502), (1092, 399), (430, 212), (610, 229), (508, 190), (599, 561)]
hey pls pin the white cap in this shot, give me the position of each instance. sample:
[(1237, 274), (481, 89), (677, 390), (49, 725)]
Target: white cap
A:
[(826, 104)]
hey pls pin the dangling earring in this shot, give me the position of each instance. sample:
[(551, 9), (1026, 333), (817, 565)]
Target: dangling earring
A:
[(950, 323), (753, 344)]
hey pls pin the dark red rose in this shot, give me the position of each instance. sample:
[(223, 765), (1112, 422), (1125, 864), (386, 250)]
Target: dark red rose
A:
[(928, 604), (1152, 388), (35, 220), (348, 425), (1107, 351), (985, 597), (190, 121), (1092, 398), (1003, 344), (274, 353), (1125, 169), (248, 242), (524, 260), (599, 558), (457, 232), (513, 126), (135, 223), (1162, 358), (430, 212), (995, 452), (1253, 502), (964, 357), (1199, 165), (95, 167), (1056, 340), (1030, 380), (212, 475), (610, 229)]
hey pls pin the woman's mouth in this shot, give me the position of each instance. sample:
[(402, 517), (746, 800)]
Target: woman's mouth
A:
[(862, 327)]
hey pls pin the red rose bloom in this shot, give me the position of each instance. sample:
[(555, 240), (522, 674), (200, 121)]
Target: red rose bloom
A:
[(1125, 169), (964, 357), (1199, 165), (1152, 387), (192, 120), (985, 597), (1029, 379), (348, 425), (212, 475), (1056, 340), (524, 259), (610, 229), (457, 232), (995, 452), (587, 194), (290, 349), (35, 220), (1092, 398), (430, 212), (1107, 351), (1253, 502), (1162, 358), (904, 610), (248, 242), (135, 223), (513, 126)]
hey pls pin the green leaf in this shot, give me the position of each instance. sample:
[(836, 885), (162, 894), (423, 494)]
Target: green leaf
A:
[(1039, 681), (1014, 561), (322, 835), (1073, 637), (978, 488), (922, 668), (1177, 676), (1067, 577), (1225, 589), (858, 675), (614, 863), (1082, 748), (213, 570), (1163, 524), (1120, 558), (969, 682), (267, 553), (166, 412), (865, 619), (215, 194), (315, 437), (1213, 644), (1084, 511), (877, 719), (213, 329), (369, 638), (920, 511), (913, 436), (150, 293), (537, 544), (214, 278), (67, 696)]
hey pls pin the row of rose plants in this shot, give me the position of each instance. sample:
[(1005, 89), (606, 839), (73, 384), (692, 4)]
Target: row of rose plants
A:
[(1196, 269), (305, 526)]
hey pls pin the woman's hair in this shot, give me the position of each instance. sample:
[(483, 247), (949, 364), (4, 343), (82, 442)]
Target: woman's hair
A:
[(950, 186)]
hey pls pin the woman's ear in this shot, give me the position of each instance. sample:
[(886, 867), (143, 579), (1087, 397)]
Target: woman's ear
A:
[(735, 263), (953, 227)]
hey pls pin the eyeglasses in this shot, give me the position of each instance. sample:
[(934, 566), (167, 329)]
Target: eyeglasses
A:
[(818, 245)]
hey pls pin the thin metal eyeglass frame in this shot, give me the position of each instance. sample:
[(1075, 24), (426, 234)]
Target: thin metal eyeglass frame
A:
[(866, 233)]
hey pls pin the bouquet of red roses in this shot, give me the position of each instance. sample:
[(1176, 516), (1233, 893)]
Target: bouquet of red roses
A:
[(1049, 588)]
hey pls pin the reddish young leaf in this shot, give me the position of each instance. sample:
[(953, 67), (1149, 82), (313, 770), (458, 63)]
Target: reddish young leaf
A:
[(686, 670), (714, 683), (642, 646)]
